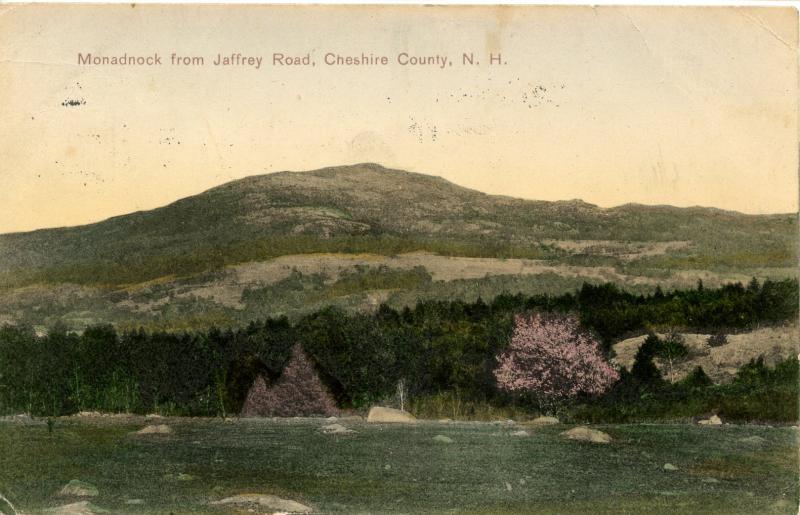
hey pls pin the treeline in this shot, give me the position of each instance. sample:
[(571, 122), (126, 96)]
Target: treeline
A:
[(434, 347), (757, 393)]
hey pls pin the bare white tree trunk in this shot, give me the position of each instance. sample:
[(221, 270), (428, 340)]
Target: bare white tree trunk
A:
[(6, 502), (401, 393)]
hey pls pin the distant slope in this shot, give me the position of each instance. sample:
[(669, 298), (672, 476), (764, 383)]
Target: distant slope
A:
[(720, 363), (368, 208)]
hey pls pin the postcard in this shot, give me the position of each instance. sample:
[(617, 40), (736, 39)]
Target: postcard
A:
[(398, 259)]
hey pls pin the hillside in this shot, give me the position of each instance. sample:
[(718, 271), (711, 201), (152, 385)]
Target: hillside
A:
[(388, 234), (723, 362)]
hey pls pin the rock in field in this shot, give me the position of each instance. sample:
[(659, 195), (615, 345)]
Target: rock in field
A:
[(521, 432), (711, 421), (505, 422), (77, 508), (381, 414), (442, 439), (76, 488), (21, 418), (336, 429), (158, 429), (670, 466), (88, 414), (586, 434), (270, 502), (545, 421)]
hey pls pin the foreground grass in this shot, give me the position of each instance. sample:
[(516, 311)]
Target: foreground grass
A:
[(392, 468)]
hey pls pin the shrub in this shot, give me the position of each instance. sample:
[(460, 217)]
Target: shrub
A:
[(697, 378), (756, 373), (717, 340), (550, 358), (644, 371), (672, 349)]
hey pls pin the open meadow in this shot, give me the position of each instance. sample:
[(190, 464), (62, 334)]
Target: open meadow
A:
[(397, 468)]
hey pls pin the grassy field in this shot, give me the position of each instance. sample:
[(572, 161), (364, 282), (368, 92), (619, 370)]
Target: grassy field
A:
[(401, 469)]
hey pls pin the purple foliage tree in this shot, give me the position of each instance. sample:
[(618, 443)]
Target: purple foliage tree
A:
[(298, 392), (552, 359)]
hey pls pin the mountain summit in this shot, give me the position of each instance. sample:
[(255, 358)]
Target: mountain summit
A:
[(366, 208)]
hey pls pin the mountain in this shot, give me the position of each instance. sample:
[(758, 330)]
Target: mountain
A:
[(367, 209), (260, 214)]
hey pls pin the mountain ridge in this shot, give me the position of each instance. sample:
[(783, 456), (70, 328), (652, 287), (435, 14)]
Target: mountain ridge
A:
[(382, 169), (367, 207)]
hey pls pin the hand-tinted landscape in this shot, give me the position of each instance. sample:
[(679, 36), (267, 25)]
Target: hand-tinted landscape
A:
[(405, 291), (551, 266)]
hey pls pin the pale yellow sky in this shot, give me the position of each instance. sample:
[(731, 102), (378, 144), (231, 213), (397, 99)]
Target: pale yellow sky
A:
[(682, 106)]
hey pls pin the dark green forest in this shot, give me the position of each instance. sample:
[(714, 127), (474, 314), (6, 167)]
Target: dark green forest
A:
[(435, 347)]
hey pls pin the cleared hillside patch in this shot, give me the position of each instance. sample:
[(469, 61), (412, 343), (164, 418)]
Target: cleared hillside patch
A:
[(720, 363)]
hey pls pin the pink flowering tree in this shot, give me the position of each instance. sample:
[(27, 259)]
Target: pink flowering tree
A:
[(551, 359)]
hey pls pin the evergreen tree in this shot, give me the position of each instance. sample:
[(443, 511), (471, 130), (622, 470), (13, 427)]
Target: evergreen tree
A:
[(644, 370)]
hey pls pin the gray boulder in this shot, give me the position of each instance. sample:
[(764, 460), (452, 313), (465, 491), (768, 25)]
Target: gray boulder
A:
[(77, 508), (379, 414), (336, 429), (270, 502), (76, 488), (544, 421), (711, 421), (585, 434), (158, 429)]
